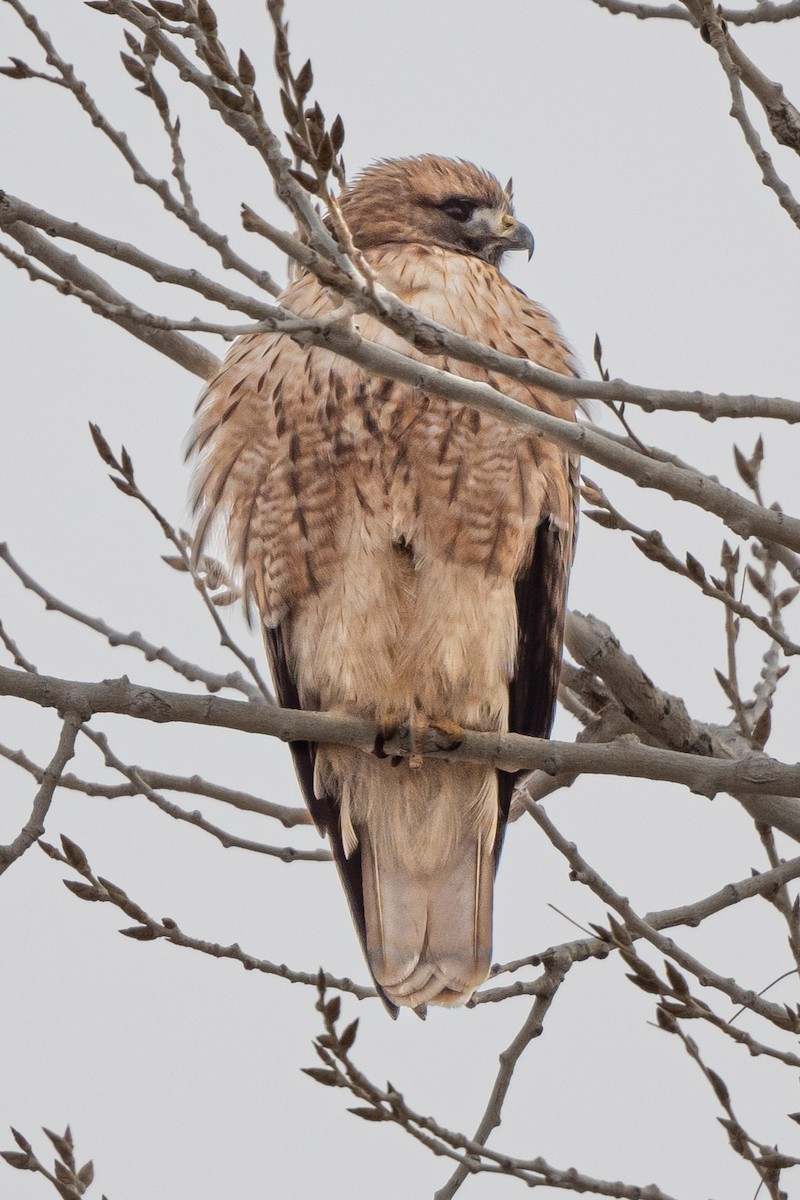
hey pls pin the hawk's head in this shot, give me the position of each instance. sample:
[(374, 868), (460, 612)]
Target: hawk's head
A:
[(434, 201)]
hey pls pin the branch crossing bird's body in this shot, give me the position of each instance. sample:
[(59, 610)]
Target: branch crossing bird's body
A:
[(409, 558)]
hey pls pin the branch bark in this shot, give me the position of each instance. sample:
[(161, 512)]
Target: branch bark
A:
[(34, 826), (753, 774)]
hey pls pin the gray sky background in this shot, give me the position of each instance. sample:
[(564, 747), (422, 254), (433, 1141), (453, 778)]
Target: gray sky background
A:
[(178, 1073)]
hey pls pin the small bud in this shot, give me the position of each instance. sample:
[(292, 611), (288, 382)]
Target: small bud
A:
[(695, 568), (337, 134), (719, 1086), (15, 1158), (306, 181), (305, 80), (600, 517), (666, 1021), (140, 933), (231, 100), (349, 1035), (86, 1173), (322, 1075), (171, 12), (290, 109), (298, 149), (325, 154), (758, 581), (743, 467), (332, 1009), (74, 855), (135, 69), (206, 17), (247, 72)]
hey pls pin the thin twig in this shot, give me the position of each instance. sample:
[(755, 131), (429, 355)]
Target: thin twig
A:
[(585, 874), (286, 854), (149, 929), (193, 784), (34, 826), (191, 671)]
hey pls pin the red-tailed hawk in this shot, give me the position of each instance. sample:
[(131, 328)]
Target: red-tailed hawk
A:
[(408, 557)]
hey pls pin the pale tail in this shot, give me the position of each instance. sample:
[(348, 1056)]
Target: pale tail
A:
[(429, 936), (427, 859)]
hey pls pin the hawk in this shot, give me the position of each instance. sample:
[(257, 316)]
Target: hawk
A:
[(408, 557)]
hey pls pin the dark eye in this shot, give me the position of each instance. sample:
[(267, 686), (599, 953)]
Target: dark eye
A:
[(458, 208)]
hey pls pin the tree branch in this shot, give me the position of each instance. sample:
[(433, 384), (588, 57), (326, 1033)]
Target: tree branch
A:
[(583, 873), (753, 774), (34, 826), (182, 350), (194, 785), (764, 13), (211, 679)]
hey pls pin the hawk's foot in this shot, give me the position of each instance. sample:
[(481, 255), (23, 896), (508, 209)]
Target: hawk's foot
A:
[(423, 736), (387, 732)]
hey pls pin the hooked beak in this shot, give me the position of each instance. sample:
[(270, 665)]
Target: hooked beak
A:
[(494, 232), (518, 236)]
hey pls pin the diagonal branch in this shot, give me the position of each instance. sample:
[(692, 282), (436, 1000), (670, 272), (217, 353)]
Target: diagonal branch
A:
[(141, 175), (212, 680), (780, 1016), (194, 785), (182, 350), (287, 854), (148, 929), (554, 975), (34, 826), (706, 14), (13, 209)]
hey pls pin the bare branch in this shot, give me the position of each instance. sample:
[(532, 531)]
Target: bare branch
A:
[(651, 543), (594, 646), (194, 785), (664, 717), (12, 209), (583, 873), (286, 854), (34, 826), (128, 486), (11, 646), (706, 14), (765, 12), (782, 116), (247, 121), (141, 175), (473, 1156), (69, 1181), (760, 883), (737, 1136), (149, 929), (780, 898), (554, 975), (213, 681), (75, 275), (752, 775)]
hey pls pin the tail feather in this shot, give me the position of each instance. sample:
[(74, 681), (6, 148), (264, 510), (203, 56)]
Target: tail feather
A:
[(429, 933)]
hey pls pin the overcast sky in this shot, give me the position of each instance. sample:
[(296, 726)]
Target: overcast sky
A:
[(180, 1074)]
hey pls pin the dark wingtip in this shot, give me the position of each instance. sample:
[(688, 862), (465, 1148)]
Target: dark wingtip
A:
[(388, 1004)]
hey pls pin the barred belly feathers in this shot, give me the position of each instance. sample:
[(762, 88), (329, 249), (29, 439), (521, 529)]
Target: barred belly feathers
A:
[(408, 557)]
